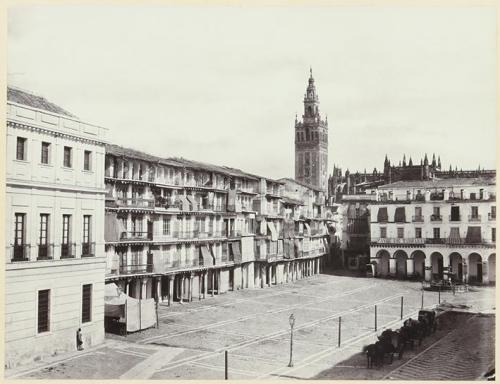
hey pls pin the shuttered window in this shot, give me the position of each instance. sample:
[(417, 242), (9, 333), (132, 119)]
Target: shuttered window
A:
[(86, 303), (21, 148), (44, 310)]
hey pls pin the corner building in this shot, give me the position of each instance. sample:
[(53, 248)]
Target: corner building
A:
[(54, 259), (436, 229)]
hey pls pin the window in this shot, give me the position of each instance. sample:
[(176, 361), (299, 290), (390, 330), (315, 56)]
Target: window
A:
[(86, 251), (401, 232), (86, 303), (493, 235), (418, 233), (45, 153), (42, 239), (166, 226), (436, 211), (19, 249), (67, 157), (87, 159), (473, 196), (474, 212), (66, 237), (21, 148), (418, 212), (44, 310), (437, 233), (493, 213), (383, 232)]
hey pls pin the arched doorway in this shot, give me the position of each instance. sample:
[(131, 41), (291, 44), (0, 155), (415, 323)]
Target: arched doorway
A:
[(475, 268), (419, 264), (383, 263), (456, 264), (401, 258), (437, 265), (491, 268)]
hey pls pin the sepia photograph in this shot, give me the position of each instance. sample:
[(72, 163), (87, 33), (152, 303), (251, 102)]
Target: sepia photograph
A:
[(239, 191)]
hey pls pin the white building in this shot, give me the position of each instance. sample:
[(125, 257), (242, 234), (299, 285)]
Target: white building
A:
[(435, 229), (54, 229)]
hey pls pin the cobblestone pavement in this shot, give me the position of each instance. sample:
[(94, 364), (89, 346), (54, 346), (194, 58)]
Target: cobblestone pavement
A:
[(252, 325)]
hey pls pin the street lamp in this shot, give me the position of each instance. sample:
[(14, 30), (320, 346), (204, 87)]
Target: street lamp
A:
[(291, 320)]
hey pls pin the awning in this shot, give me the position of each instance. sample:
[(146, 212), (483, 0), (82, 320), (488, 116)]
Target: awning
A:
[(455, 236), (296, 248), (473, 235), (399, 215), (263, 227), (274, 232), (185, 203), (235, 246), (113, 228), (231, 200), (325, 243), (308, 229), (207, 256), (382, 215), (114, 301), (193, 202)]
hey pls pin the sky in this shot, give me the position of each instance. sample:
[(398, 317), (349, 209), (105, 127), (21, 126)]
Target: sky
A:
[(222, 84)]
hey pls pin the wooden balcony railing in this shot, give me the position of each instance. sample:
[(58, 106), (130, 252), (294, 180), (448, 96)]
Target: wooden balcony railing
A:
[(135, 202), (136, 236), (418, 219), (135, 268), (474, 218)]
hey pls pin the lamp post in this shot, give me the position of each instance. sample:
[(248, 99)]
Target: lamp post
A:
[(291, 320)]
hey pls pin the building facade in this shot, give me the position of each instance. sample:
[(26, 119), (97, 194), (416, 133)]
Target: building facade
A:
[(311, 142), (436, 229), (178, 230), (54, 264)]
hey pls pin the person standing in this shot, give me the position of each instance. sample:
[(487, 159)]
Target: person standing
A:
[(79, 340)]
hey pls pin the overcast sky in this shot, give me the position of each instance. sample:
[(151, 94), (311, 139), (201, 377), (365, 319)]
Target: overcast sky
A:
[(223, 84)]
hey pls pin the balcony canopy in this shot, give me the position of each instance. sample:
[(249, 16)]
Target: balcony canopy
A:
[(473, 235), (399, 215), (207, 256), (272, 229), (382, 214), (235, 246)]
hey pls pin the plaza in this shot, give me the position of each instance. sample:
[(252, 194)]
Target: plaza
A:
[(253, 326)]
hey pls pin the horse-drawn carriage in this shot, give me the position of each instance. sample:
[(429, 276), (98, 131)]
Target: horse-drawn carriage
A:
[(391, 342)]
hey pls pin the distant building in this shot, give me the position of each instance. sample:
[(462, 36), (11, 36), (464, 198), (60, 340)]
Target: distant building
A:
[(311, 142), (54, 261), (435, 229)]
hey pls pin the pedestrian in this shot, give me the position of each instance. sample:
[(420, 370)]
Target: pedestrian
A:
[(79, 340)]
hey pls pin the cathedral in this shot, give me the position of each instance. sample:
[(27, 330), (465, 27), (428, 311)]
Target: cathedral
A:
[(311, 142)]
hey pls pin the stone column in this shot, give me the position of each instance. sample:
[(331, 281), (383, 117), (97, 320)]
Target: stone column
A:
[(158, 289), (144, 284), (191, 287), (428, 268), (213, 282), (182, 289), (170, 289), (409, 267), (486, 275), (392, 266), (205, 283), (200, 282), (269, 276)]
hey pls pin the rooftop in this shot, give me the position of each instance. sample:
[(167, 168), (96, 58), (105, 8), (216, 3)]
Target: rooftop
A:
[(442, 183), (19, 96)]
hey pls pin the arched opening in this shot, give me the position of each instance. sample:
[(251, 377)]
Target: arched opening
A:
[(437, 266), (309, 111), (457, 267), (475, 268), (419, 264), (401, 258), (491, 268), (383, 263)]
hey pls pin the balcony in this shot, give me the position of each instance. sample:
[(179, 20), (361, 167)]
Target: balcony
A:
[(45, 252), (136, 236), (436, 218), (88, 249), (455, 218), (135, 269), (437, 196), (418, 219), (20, 252), (398, 240), (419, 197), (68, 251), (492, 216), (474, 218), (135, 202), (436, 240)]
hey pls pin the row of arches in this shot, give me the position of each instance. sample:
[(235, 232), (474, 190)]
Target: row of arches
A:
[(471, 268)]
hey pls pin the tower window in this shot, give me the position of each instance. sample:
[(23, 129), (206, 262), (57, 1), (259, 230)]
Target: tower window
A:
[(309, 111)]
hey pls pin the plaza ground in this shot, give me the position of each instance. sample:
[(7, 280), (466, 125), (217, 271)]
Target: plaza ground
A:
[(253, 326)]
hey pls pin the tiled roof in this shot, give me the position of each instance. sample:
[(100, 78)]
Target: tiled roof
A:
[(313, 187), (442, 183), (19, 96)]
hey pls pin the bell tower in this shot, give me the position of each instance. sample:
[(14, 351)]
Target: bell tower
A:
[(311, 142)]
